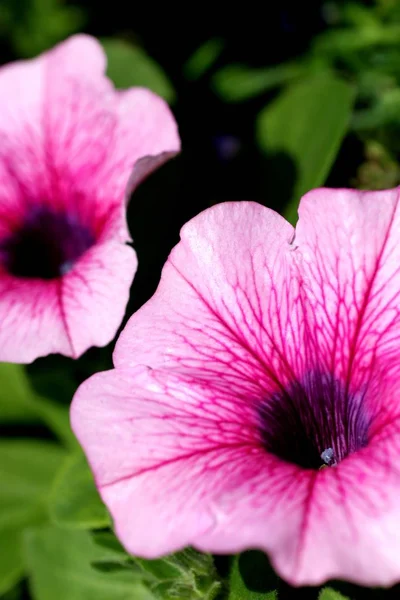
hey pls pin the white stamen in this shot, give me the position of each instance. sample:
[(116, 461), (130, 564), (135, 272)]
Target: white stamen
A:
[(328, 456)]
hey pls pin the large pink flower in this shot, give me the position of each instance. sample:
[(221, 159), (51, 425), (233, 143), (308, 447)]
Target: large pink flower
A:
[(69, 144), (267, 354)]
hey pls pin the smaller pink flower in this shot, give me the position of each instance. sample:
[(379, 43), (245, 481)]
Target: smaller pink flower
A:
[(267, 412), (72, 149)]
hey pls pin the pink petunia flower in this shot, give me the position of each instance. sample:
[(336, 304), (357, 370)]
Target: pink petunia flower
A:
[(69, 145), (267, 413)]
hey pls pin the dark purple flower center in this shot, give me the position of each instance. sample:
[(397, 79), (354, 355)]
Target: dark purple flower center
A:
[(314, 423), (46, 246)]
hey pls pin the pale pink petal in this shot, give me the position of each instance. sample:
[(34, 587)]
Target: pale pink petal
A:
[(49, 95), (179, 462), (70, 314), (69, 143), (145, 128), (223, 303), (30, 320), (96, 135), (80, 56), (168, 451), (94, 295), (258, 339), (145, 137), (79, 122), (349, 262), (351, 519)]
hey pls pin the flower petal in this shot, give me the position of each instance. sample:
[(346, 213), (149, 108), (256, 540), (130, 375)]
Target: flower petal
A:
[(179, 462), (22, 161), (79, 121), (31, 325), (223, 300), (72, 141), (69, 143), (169, 452), (94, 295), (347, 246), (97, 135), (146, 137), (56, 131), (69, 314)]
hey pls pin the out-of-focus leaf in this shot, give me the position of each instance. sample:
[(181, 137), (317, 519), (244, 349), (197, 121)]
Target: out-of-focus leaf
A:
[(15, 394), (130, 66), (109, 543), (185, 575), (20, 403), (59, 563), (114, 558), (74, 501), (56, 417), (345, 42), (203, 59), (386, 111), (16, 593), (36, 25), (52, 378), (360, 16), (307, 123), (252, 578), (236, 83), (330, 594), (27, 468)]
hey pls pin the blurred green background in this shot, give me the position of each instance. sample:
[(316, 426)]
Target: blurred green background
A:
[(271, 102)]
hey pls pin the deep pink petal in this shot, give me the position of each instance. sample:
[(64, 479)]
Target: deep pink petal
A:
[(22, 162), (222, 305)]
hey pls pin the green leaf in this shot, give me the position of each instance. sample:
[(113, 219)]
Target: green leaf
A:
[(27, 469), (15, 394), (330, 594), (74, 501), (114, 557), (130, 66), (203, 59), (56, 417), (236, 83), (307, 123), (20, 403), (15, 593), (385, 111), (252, 578), (36, 25), (60, 562), (109, 543), (187, 575)]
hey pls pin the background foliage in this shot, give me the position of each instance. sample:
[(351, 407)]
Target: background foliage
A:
[(270, 101)]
